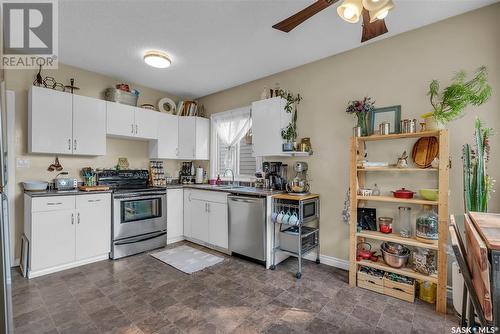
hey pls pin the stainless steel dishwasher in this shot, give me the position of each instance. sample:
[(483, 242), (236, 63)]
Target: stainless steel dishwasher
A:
[(247, 226)]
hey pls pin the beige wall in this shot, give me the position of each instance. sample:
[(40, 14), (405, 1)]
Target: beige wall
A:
[(395, 71), (93, 85)]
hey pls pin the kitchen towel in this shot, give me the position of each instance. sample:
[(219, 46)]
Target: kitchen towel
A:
[(187, 259)]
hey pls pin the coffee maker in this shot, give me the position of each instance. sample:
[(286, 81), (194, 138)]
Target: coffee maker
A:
[(276, 173), (187, 173)]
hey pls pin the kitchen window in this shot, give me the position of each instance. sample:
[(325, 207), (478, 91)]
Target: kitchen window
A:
[(231, 143)]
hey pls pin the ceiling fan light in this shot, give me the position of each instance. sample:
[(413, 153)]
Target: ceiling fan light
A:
[(157, 59), (374, 4), (381, 12), (350, 10)]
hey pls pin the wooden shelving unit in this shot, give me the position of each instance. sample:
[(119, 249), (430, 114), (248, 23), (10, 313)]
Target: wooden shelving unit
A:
[(357, 179)]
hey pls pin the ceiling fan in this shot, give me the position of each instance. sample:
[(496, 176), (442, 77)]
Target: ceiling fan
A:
[(372, 11)]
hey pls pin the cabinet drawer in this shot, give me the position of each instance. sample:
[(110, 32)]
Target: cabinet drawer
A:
[(209, 196), (52, 203), (92, 200)]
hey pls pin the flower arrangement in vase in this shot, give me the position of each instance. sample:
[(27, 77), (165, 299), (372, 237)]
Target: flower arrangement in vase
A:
[(361, 109)]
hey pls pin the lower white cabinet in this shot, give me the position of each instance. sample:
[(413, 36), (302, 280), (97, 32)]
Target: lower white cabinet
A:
[(175, 215), (66, 231), (205, 218)]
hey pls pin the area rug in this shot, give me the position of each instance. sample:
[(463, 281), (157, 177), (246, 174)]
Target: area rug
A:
[(187, 259)]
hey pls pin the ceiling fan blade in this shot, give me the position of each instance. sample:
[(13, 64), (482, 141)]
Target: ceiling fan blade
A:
[(372, 30), (288, 24)]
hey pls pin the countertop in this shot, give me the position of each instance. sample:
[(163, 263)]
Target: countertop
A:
[(233, 190), (488, 226)]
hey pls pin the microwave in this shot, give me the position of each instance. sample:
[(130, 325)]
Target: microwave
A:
[(309, 210)]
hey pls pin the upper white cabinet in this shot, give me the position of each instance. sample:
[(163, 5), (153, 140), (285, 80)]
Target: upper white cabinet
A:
[(194, 138), (63, 123), (167, 145), (268, 118), (89, 126), (131, 122)]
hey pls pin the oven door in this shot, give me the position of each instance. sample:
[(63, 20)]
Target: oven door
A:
[(137, 214)]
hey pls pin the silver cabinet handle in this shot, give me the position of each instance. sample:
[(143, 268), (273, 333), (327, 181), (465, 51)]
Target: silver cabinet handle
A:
[(136, 128), (208, 207), (72, 219), (132, 128), (74, 145), (93, 200), (78, 219), (69, 144), (54, 203)]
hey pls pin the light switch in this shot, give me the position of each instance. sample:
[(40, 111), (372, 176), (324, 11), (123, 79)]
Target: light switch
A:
[(23, 163)]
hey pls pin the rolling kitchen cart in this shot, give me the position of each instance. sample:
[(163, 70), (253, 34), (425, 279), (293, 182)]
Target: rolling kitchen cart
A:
[(300, 235)]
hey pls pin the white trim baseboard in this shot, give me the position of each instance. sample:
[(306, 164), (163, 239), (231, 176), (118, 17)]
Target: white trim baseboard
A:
[(174, 239), (33, 274), (329, 261)]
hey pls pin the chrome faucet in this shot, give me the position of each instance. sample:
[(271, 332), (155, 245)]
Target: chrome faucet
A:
[(232, 175)]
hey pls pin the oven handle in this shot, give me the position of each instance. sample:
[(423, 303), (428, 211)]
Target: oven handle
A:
[(136, 195), (139, 239)]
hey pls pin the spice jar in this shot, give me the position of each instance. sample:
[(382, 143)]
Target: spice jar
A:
[(427, 225), (385, 224)]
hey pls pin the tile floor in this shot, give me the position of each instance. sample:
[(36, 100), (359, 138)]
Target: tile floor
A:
[(140, 294)]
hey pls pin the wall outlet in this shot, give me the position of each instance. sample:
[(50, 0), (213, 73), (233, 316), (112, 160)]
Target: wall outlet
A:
[(23, 163)]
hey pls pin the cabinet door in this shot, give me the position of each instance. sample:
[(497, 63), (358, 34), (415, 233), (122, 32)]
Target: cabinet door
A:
[(166, 147), (218, 232), (187, 129), (267, 123), (119, 119), (146, 124), (53, 239), (199, 220), (202, 138), (187, 214), (175, 216), (93, 226), (50, 121), (89, 126)]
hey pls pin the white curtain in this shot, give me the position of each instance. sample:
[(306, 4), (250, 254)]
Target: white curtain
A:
[(231, 127)]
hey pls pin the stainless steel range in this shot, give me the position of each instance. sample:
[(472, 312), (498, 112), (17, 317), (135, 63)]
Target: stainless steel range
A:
[(139, 212)]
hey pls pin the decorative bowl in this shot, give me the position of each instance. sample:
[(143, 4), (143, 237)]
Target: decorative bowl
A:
[(429, 194)]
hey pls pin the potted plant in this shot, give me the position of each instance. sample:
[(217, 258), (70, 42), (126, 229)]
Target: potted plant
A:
[(361, 109), (450, 104), (478, 185), (289, 133)]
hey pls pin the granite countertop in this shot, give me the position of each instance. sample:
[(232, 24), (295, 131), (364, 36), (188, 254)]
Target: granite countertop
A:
[(47, 193)]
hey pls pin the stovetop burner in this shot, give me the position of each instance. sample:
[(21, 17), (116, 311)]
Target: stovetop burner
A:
[(136, 180)]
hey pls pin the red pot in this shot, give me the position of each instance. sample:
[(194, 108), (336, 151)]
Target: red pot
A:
[(364, 253), (403, 193)]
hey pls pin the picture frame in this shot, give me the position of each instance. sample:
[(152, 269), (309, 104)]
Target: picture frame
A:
[(390, 114)]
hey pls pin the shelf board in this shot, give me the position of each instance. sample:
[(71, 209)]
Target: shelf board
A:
[(381, 265), (400, 136), (395, 169), (396, 200), (396, 238)]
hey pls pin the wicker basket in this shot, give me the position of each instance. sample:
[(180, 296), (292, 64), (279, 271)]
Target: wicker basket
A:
[(120, 96)]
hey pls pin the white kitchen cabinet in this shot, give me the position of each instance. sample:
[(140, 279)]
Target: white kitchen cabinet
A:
[(89, 126), (66, 231), (50, 121), (167, 145), (268, 119), (202, 138), (187, 137), (205, 218), (93, 230), (175, 215), (218, 234), (146, 123), (120, 119), (63, 123)]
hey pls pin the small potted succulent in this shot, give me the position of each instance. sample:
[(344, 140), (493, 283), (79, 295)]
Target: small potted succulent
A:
[(450, 104), (361, 109)]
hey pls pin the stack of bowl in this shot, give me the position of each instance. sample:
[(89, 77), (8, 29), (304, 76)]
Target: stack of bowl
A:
[(394, 254)]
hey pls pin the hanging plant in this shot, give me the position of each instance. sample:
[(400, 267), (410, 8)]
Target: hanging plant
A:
[(289, 133)]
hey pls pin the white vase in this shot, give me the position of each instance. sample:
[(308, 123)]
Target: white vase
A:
[(432, 125)]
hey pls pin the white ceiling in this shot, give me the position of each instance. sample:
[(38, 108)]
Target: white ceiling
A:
[(219, 44)]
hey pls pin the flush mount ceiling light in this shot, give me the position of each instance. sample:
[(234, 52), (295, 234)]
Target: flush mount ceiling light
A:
[(157, 59), (350, 10)]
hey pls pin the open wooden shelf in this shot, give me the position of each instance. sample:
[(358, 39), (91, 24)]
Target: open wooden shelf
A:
[(395, 238), (400, 136), (396, 169), (392, 199), (381, 265)]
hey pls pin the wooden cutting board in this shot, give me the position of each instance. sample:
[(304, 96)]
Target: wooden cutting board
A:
[(93, 188), (425, 150)]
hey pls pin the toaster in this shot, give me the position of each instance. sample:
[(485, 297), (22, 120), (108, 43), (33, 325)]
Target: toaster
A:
[(65, 183)]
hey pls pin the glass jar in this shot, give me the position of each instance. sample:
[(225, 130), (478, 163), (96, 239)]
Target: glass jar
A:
[(427, 291), (424, 261), (405, 221), (427, 225), (385, 224)]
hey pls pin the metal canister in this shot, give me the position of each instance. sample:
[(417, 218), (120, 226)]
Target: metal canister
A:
[(384, 128), (413, 126), (357, 131)]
